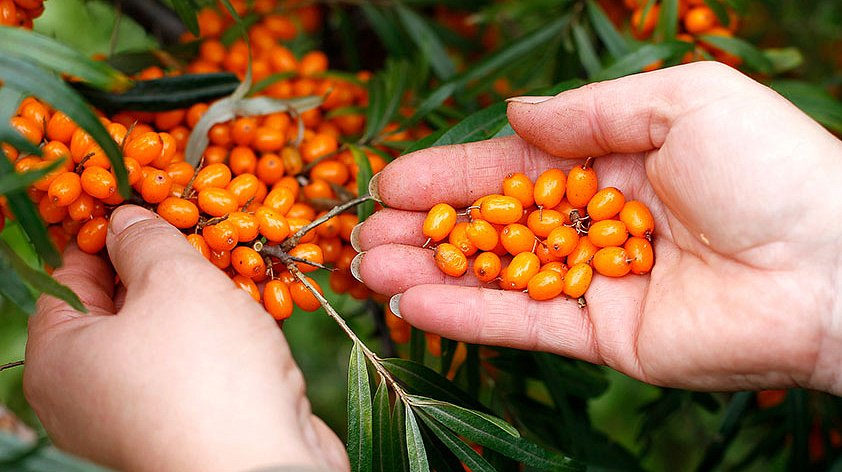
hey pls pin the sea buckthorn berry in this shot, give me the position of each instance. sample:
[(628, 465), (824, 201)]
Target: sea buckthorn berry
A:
[(178, 212), (65, 189), (557, 266), (643, 21), (642, 256), (330, 228), (331, 171), (440, 221), (605, 204), (273, 226), (277, 300), (451, 260), (279, 199), (700, 19), (638, 219), (81, 208), (133, 169), (247, 262), (309, 252), (331, 249), (55, 150), (562, 241), (545, 285), (544, 254), (270, 168), (50, 212), (221, 259), (243, 187), (221, 236), (500, 209), (318, 189), (303, 211), (582, 253), (550, 188), (302, 296), (346, 225), (168, 151), (145, 148), (475, 210), (217, 201), (608, 233), (242, 160), (577, 280), (292, 161), (243, 130), (519, 186), (60, 127), (98, 182), (543, 221), (156, 186), (91, 236), (482, 234), (487, 266), (199, 243), (318, 146), (517, 238), (612, 261), (213, 175), (517, 274), (80, 144), (180, 172), (459, 238), (581, 186), (267, 139), (220, 135), (247, 285), (247, 225), (32, 131)]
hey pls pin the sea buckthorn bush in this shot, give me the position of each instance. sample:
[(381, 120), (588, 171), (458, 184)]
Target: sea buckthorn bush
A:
[(255, 130)]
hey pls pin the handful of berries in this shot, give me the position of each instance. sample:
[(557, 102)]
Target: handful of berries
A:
[(550, 235)]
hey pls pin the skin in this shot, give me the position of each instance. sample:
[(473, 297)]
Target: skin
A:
[(744, 188), (175, 369)]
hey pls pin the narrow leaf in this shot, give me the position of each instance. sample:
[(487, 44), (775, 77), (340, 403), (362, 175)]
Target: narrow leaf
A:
[(427, 41), (365, 209), (186, 10), (720, 10), (359, 412), (784, 59), (466, 454), (52, 55), (469, 416), (608, 34), (416, 453), (13, 289), (19, 182), (384, 457), (753, 57), (421, 380), (667, 26), (587, 53), (646, 55), (728, 428), (399, 435), (813, 100), (389, 32), (40, 281), (476, 127)]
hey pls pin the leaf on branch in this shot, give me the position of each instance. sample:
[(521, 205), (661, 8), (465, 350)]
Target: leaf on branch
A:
[(421, 380), (40, 281), (608, 34), (426, 39), (385, 457), (465, 453), (186, 10), (359, 412), (635, 62), (416, 453), (753, 57), (19, 182), (814, 100)]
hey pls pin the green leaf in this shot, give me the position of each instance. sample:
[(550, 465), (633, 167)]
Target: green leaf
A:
[(813, 100), (416, 453), (387, 29), (753, 57), (667, 26), (720, 10), (166, 93), (448, 350), (386, 91), (492, 433), (427, 41), (587, 54), (466, 454), (364, 174), (420, 379), (13, 289), (425, 142), (399, 435), (728, 429), (476, 127), (384, 456), (10, 100), (19, 182), (31, 79), (26, 457), (186, 10), (608, 34), (647, 54), (417, 343), (38, 280), (799, 417), (571, 376), (52, 55), (433, 101), (784, 59), (359, 412)]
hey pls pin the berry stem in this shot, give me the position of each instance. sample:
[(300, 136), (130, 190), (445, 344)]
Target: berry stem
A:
[(11, 365), (293, 240)]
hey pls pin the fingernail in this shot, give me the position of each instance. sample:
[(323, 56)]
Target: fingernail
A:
[(355, 237), (374, 187), (528, 100), (126, 216), (355, 266), (394, 305)]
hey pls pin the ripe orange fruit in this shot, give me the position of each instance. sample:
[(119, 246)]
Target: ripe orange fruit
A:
[(440, 221), (501, 209), (581, 186), (277, 299), (65, 189), (248, 262), (577, 280), (543, 221), (451, 260), (178, 212), (699, 20), (487, 266), (98, 182), (562, 241), (221, 236), (519, 186), (608, 233), (217, 201), (545, 285), (517, 238), (612, 261), (638, 219), (482, 234), (302, 296), (459, 238), (516, 275), (549, 188), (308, 252), (91, 236), (605, 204), (642, 256)]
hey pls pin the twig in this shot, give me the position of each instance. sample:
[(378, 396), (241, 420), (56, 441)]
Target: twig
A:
[(11, 365), (293, 240), (285, 258)]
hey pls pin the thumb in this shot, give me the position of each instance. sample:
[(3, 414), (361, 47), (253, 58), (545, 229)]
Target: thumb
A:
[(149, 252)]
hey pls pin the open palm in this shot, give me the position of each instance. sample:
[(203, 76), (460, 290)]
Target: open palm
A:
[(744, 189)]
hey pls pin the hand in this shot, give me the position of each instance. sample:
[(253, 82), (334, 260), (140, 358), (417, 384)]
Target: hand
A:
[(179, 370), (748, 265)]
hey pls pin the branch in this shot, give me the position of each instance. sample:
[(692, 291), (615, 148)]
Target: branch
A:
[(11, 365), (293, 240)]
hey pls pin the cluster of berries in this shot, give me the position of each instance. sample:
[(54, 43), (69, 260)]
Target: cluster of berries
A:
[(20, 12), (550, 235)]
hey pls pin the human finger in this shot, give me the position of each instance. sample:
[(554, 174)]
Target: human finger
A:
[(389, 226)]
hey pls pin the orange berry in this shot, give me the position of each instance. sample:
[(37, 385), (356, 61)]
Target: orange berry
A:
[(273, 226), (243, 130), (482, 234), (557, 266), (346, 225), (169, 147), (217, 201), (145, 148), (329, 228), (248, 227), (459, 238), (156, 186), (32, 131), (642, 256), (180, 172), (638, 219), (501, 209), (178, 212), (451, 260), (331, 171), (50, 212), (302, 296), (517, 238), (699, 20), (542, 222), (487, 266), (243, 187), (331, 249), (81, 208), (199, 243), (65, 189), (91, 236), (270, 168), (221, 259), (277, 300), (98, 182), (309, 252), (296, 224), (606, 203), (440, 221), (517, 274), (221, 236), (642, 27), (304, 211), (60, 128), (220, 135), (313, 63), (317, 146), (167, 120), (247, 285), (519, 186), (562, 241), (55, 150), (608, 233), (545, 285), (577, 280), (213, 175), (549, 188), (581, 186), (292, 161), (242, 160), (612, 261), (544, 254), (279, 199), (247, 262), (267, 139), (582, 253)]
